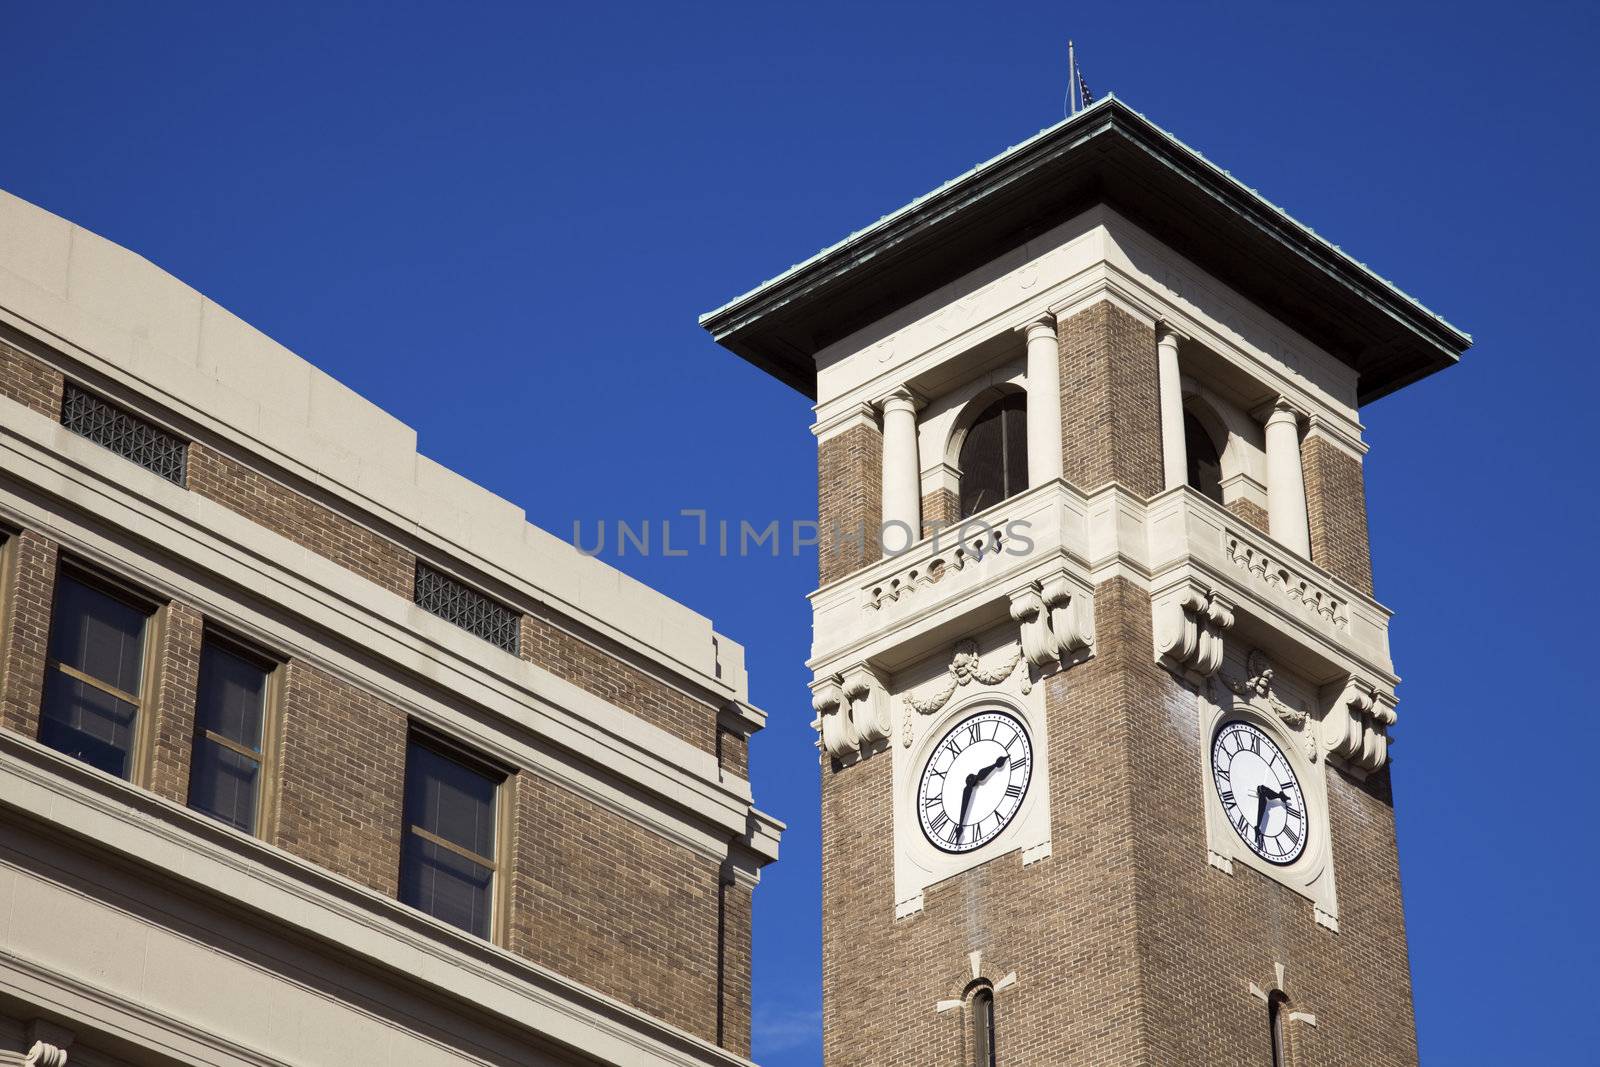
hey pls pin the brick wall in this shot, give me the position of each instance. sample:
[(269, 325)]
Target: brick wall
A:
[(29, 597), (1128, 946), (1110, 401), (849, 500), (311, 525), (736, 958), (733, 753), (615, 906), (1336, 509), (940, 506), (1251, 512), (551, 645), (341, 762), (28, 381), (177, 681)]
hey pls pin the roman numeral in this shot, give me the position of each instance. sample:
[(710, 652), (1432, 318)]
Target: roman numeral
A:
[(1019, 764), (1227, 798), (976, 736), (1241, 824), (1013, 790), (1224, 775), (1250, 742), (932, 804), (1294, 838), (1291, 812), (937, 822)]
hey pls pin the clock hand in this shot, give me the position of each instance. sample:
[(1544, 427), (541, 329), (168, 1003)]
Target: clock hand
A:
[(966, 802), (1261, 813), (995, 766)]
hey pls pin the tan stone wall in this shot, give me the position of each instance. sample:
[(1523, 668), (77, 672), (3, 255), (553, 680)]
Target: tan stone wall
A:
[(1110, 401), (341, 766), (552, 645), (849, 500), (615, 906), (313, 526), (1128, 946), (177, 681), (1336, 507), (28, 598), (30, 382)]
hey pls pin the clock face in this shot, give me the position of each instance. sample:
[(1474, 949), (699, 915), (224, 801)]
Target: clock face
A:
[(1260, 795), (974, 781)]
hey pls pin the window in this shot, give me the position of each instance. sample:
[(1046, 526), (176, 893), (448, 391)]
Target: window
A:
[(124, 433), (1205, 464), (994, 455), (94, 673), (983, 1027), (447, 858), (1275, 1006), (454, 602), (226, 774)]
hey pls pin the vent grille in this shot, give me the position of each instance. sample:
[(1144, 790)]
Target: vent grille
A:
[(125, 433), (439, 594)]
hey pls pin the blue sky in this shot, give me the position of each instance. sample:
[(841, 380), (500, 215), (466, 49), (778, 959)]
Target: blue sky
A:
[(500, 223)]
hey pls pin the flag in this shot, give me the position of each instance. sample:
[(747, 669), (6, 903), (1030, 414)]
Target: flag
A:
[(1084, 95)]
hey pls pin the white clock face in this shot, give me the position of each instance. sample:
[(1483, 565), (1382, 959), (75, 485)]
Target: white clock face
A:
[(1260, 794), (974, 781)]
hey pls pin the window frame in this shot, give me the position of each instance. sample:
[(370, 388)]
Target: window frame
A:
[(271, 718), (981, 1000), (978, 409), (504, 780), (1277, 1005), (141, 753)]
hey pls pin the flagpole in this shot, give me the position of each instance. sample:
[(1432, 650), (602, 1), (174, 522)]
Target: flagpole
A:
[(1073, 103)]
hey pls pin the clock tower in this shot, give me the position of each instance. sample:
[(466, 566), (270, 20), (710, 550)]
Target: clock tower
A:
[(1102, 691)]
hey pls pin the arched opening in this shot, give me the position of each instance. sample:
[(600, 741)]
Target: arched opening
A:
[(1205, 462), (982, 1002), (1277, 1004), (994, 454)]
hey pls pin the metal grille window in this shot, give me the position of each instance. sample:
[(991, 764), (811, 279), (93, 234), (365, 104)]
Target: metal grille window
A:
[(447, 859), (92, 689), (124, 433), (442, 595), (226, 779)]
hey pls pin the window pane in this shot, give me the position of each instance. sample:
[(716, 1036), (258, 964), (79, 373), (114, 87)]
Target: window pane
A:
[(98, 634), (1205, 466), (446, 885), (232, 696), (224, 784), (982, 465), (450, 799), (86, 723), (1014, 423)]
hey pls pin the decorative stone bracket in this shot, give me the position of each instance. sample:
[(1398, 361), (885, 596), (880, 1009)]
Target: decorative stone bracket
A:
[(1056, 619), (1356, 727), (852, 711), (1189, 626)]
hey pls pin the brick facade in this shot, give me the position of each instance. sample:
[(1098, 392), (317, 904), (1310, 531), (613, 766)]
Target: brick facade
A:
[(302, 520), (552, 644), (27, 600), (341, 776), (615, 906), (30, 382), (1110, 401), (1251, 512), (177, 683), (1128, 946), (1336, 508), (940, 507), (849, 501)]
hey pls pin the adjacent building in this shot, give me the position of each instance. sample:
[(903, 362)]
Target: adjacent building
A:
[(313, 751), (1103, 694)]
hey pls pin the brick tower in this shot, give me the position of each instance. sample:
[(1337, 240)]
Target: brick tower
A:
[(1104, 713)]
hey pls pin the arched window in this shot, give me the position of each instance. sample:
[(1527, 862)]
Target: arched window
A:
[(1205, 464), (994, 455), (983, 1026), (1276, 1003)]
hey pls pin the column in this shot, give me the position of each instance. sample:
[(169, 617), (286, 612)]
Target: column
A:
[(1174, 456), (1286, 485), (1044, 401), (902, 481)]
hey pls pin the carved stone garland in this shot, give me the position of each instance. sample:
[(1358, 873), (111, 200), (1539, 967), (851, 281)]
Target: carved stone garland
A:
[(1258, 689), (965, 667)]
